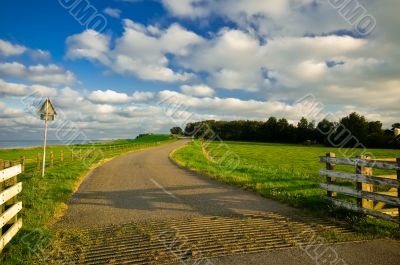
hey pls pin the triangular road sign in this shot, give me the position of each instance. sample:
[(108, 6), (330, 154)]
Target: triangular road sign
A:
[(47, 109)]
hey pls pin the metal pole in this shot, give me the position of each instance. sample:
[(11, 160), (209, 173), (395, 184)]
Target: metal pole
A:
[(45, 137)]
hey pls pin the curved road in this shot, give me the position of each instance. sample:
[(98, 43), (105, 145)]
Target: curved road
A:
[(147, 186)]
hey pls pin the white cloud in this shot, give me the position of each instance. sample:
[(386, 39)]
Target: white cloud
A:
[(88, 44), (197, 90), (108, 96), (40, 55), (12, 89), (20, 90), (9, 49), (113, 97), (13, 69), (140, 96), (51, 74), (229, 108), (141, 51), (112, 12), (48, 74)]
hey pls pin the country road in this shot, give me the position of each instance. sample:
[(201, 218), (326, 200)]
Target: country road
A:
[(210, 218)]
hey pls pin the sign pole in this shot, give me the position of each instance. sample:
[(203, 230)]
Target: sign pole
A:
[(45, 137)]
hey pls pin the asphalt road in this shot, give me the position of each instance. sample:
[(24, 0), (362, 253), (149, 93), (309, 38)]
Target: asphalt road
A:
[(146, 186)]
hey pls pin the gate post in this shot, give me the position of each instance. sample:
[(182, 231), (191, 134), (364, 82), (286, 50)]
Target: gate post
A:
[(329, 180)]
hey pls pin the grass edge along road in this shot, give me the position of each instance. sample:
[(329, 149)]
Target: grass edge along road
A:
[(271, 170), (44, 199)]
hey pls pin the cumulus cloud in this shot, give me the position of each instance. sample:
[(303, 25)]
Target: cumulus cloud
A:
[(9, 49), (108, 96), (88, 44), (197, 90), (112, 12), (20, 90), (140, 96), (140, 51), (48, 74)]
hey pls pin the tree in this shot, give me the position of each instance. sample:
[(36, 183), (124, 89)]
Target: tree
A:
[(396, 125), (176, 131), (305, 130), (324, 129), (357, 125)]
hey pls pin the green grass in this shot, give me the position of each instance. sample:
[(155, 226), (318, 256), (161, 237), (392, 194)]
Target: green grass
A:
[(44, 198), (287, 173)]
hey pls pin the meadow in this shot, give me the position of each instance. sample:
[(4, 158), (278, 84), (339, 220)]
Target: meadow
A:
[(286, 173), (44, 198)]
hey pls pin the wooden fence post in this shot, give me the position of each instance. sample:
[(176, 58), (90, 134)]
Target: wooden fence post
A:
[(398, 179), (51, 159), (80, 153), (329, 180), (22, 163), (72, 155), (62, 156), (366, 171)]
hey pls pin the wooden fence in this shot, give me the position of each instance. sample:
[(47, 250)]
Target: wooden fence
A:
[(10, 224), (373, 192)]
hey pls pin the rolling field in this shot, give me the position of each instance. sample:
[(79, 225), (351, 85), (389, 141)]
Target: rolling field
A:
[(287, 173), (44, 198)]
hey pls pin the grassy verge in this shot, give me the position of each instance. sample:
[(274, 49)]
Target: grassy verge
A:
[(44, 199), (287, 173)]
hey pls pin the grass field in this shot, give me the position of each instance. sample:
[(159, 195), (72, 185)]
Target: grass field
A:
[(44, 198), (287, 173)]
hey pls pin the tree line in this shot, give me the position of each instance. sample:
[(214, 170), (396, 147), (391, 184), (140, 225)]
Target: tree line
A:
[(353, 130)]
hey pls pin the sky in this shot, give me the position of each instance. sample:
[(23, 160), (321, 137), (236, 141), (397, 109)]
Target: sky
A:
[(118, 68)]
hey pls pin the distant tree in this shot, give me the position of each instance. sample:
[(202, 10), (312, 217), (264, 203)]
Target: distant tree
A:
[(352, 131), (176, 131), (323, 130), (396, 125), (355, 125), (305, 130), (270, 130)]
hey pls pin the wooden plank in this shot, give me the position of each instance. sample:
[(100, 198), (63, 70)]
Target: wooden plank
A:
[(353, 207), (360, 162), (10, 213), (11, 232), (10, 192), (387, 176), (376, 180), (10, 172), (366, 171), (361, 194), (391, 192), (385, 159), (392, 212)]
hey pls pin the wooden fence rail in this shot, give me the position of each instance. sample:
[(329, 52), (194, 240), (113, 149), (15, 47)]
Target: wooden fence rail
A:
[(10, 224), (369, 202)]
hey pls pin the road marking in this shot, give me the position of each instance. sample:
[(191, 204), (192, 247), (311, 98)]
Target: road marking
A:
[(163, 189)]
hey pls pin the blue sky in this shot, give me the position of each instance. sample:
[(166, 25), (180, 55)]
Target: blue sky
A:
[(215, 59)]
